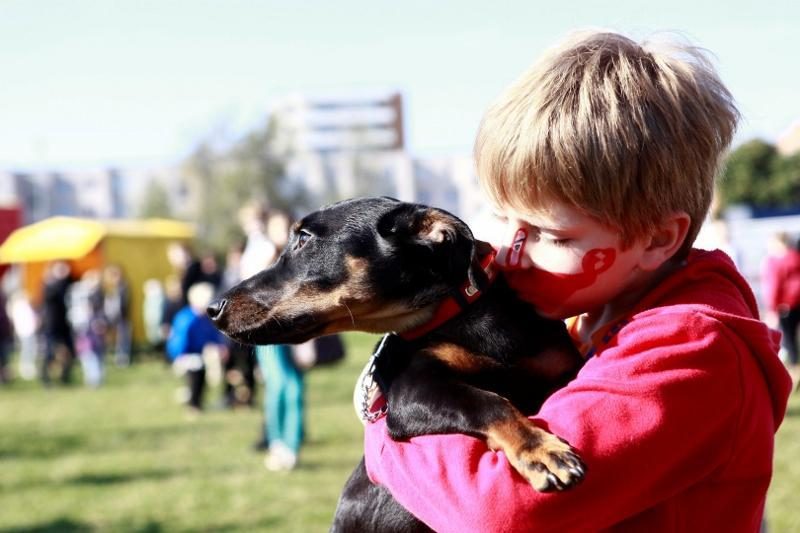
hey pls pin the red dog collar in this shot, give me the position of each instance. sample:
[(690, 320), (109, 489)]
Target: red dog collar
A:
[(454, 304)]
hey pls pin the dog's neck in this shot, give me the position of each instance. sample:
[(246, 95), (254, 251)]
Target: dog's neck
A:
[(459, 300)]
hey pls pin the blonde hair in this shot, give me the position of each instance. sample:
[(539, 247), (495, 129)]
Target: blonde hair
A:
[(626, 133)]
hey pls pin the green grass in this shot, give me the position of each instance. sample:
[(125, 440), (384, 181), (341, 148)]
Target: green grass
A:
[(125, 458), (783, 513)]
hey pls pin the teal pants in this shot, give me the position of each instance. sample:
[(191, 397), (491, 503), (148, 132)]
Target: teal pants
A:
[(283, 398)]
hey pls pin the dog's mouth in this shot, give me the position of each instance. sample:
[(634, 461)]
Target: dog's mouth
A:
[(258, 336), (249, 324), (273, 330)]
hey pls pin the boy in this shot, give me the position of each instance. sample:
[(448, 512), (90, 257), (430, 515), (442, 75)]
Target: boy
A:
[(600, 162)]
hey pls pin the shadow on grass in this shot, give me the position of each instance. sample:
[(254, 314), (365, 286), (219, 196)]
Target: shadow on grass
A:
[(269, 524), (793, 410), (150, 527), (34, 445), (39, 445), (66, 525), (113, 478), (60, 525)]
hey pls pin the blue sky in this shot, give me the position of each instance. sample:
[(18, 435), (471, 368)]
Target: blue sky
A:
[(138, 82)]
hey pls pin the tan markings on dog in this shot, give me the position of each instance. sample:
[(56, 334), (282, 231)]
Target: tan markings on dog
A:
[(461, 359), (299, 298), (435, 225), (549, 364), (396, 318), (351, 306), (532, 451)]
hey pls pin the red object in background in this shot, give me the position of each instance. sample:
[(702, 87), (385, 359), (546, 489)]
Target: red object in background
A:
[(10, 219)]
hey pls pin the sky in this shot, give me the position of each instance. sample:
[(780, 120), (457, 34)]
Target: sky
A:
[(137, 83)]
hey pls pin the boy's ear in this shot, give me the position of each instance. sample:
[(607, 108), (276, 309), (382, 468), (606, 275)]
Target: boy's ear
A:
[(665, 241)]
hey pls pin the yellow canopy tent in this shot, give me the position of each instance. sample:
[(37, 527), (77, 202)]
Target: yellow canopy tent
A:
[(139, 247)]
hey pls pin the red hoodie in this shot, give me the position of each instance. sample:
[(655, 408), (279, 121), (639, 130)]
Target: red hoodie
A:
[(674, 415)]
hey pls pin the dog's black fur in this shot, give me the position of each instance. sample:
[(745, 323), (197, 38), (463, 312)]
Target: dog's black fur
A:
[(379, 265)]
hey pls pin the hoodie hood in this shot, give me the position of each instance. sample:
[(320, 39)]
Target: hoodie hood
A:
[(731, 302)]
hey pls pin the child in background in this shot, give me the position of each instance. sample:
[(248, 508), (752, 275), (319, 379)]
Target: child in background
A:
[(600, 163), (191, 334)]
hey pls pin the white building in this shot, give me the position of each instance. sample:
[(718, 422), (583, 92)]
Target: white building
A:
[(93, 193), (347, 145)]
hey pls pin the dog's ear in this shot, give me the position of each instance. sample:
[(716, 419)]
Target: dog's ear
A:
[(445, 241), (399, 223), (477, 276)]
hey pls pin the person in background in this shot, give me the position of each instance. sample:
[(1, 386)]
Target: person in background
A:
[(266, 234), (86, 315), (240, 365), (191, 334), (57, 332), (259, 252), (6, 340), (780, 282), (116, 306), (26, 323), (283, 380), (152, 312), (202, 269), (181, 258), (173, 302)]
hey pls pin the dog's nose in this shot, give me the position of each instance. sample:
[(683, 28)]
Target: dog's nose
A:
[(214, 310)]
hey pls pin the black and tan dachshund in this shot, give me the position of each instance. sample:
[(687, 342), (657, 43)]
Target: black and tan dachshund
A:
[(464, 356)]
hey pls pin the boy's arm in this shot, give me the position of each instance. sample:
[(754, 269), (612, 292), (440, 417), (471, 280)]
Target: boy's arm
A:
[(648, 421)]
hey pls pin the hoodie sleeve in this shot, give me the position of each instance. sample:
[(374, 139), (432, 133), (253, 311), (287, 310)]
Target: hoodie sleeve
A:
[(651, 415)]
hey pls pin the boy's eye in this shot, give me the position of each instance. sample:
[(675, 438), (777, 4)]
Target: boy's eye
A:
[(560, 242), (302, 238)]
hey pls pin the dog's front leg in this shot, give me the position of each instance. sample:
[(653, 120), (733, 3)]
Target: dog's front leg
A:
[(424, 403)]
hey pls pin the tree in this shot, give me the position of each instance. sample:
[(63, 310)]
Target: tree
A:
[(786, 178), (223, 176), (746, 177), (155, 202)]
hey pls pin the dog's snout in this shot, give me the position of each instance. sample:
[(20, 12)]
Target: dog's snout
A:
[(215, 308)]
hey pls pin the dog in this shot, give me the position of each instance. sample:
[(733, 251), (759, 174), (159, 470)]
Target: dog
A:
[(464, 355)]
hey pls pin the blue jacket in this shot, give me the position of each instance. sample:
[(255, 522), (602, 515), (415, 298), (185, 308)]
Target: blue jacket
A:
[(190, 333)]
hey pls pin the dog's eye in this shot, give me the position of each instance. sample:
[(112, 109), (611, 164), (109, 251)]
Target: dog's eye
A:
[(302, 238)]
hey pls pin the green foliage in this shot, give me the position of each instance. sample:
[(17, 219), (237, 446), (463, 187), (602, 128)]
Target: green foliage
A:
[(756, 174), (155, 202), (221, 179)]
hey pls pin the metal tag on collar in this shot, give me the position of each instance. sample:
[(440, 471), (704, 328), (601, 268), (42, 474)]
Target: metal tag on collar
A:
[(371, 391)]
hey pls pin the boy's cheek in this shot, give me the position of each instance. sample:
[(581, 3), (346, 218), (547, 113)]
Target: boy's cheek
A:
[(548, 291)]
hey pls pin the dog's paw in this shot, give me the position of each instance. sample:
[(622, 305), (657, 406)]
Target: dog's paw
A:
[(547, 462)]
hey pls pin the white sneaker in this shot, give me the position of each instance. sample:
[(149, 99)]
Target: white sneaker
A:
[(280, 458)]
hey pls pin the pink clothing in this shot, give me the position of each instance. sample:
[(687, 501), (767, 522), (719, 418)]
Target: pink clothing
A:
[(781, 281), (674, 415)]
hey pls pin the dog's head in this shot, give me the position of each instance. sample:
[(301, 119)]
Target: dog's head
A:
[(369, 264)]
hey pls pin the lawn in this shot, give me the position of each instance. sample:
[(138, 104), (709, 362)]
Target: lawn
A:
[(126, 458)]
